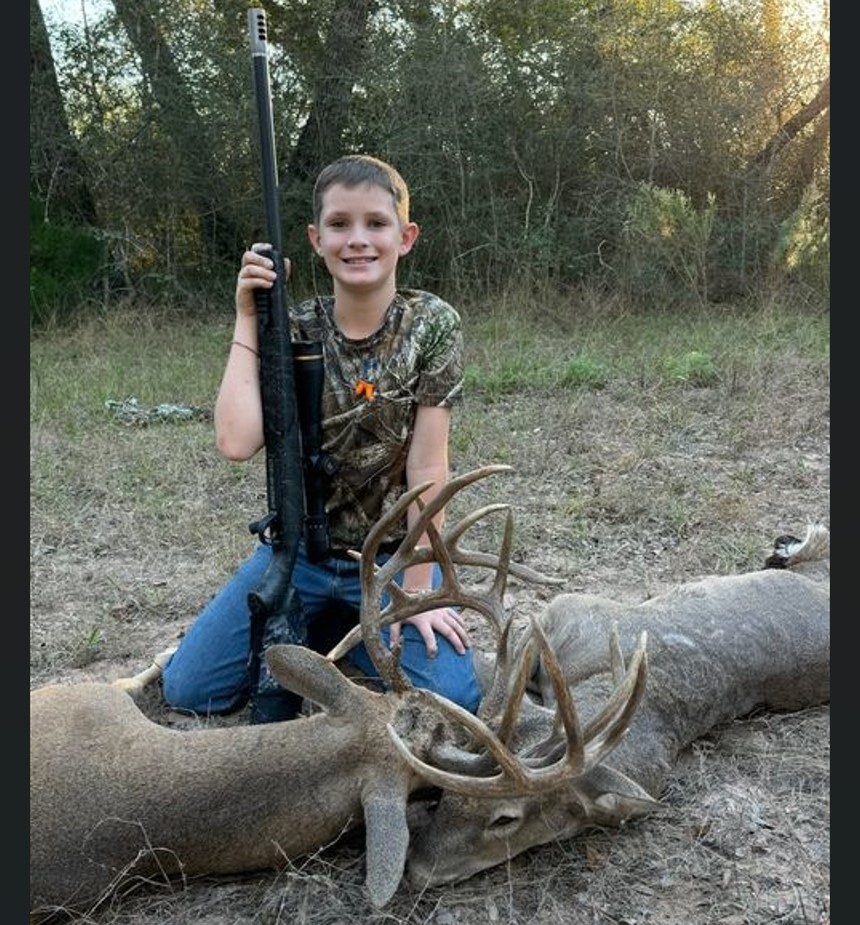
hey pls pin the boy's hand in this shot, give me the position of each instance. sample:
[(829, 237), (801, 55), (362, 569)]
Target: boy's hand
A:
[(256, 272), (445, 621)]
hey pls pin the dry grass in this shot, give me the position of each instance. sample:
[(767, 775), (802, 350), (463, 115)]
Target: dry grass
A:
[(621, 490)]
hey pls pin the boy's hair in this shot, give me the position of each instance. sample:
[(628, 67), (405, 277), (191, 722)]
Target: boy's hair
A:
[(354, 169)]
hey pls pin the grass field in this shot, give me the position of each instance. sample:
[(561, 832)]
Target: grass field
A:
[(646, 451)]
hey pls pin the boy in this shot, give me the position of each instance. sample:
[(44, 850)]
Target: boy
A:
[(393, 370)]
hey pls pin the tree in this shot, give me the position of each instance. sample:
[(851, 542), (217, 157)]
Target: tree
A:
[(341, 69), (792, 127), (525, 130), (203, 180), (58, 176)]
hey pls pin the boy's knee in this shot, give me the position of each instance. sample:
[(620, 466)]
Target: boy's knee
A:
[(176, 690), (461, 685), (183, 691), (450, 674), (462, 690)]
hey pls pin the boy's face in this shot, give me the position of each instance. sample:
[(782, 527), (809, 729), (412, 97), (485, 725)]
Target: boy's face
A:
[(360, 236)]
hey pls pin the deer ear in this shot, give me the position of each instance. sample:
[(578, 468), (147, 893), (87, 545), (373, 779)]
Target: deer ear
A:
[(386, 839), (312, 676), (611, 798)]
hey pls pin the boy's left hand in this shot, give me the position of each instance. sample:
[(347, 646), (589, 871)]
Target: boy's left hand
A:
[(446, 621)]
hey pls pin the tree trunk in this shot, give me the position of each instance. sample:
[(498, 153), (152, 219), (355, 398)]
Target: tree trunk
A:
[(58, 176), (185, 127), (341, 68), (794, 125)]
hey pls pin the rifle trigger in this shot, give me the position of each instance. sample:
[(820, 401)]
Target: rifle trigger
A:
[(262, 527)]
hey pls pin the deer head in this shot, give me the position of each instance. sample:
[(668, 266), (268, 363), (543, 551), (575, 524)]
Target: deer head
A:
[(474, 756), (528, 776)]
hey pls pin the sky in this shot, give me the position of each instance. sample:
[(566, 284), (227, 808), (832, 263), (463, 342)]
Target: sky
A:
[(72, 10)]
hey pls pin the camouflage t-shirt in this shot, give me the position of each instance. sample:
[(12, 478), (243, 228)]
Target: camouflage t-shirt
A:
[(372, 389)]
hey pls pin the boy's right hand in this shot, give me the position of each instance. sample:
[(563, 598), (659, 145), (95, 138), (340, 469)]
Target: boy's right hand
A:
[(256, 272)]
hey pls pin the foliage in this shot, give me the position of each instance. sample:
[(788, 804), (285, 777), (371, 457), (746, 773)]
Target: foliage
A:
[(584, 371), (693, 368), (66, 264), (665, 242), (803, 246), (546, 144)]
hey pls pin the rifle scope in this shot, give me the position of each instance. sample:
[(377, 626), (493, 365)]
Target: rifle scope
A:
[(318, 466)]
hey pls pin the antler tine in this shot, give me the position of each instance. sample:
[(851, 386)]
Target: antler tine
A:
[(452, 486), (496, 698), (605, 731), (387, 662), (508, 779), (454, 533), (609, 727), (565, 711), (442, 555), (519, 775), (375, 536), (548, 749), (616, 656), (508, 722), (500, 582), (375, 579)]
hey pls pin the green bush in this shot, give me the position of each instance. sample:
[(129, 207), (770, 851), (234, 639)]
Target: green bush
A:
[(665, 247), (66, 263), (693, 368), (803, 248), (584, 371)]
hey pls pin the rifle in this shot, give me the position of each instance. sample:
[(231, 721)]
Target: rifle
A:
[(295, 482)]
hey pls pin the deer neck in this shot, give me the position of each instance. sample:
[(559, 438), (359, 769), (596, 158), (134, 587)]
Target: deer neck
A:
[(717, 650)]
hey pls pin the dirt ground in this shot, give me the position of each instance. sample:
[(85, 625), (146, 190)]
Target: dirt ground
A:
[(617, 497)]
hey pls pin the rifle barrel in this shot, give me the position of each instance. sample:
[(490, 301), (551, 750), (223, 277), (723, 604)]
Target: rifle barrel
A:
[(265, 121)]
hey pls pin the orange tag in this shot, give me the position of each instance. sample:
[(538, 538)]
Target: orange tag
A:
[(365, 388)]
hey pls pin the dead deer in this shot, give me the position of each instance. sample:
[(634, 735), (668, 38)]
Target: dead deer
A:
[(117, 799), (718, 648)]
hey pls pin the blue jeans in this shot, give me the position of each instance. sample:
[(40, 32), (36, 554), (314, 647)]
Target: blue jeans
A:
[(209, 671)]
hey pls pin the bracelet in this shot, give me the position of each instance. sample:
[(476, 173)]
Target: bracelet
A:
[(239, 343)]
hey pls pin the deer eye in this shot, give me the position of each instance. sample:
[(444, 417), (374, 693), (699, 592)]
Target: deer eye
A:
[(503, 823)]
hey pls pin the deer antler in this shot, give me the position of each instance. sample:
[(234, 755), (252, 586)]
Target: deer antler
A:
[(444, 549), (549, 763)]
